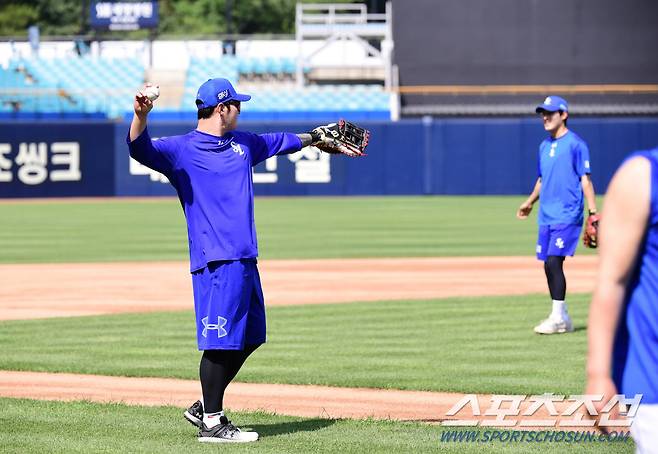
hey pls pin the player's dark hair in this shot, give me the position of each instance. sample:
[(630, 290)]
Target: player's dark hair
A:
[(206, 112), (565, 121)]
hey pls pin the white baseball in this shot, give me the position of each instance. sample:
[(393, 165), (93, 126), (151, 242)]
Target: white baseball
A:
[(152, 92)]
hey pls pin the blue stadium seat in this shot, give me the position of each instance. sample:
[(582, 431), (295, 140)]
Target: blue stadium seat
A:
[(89, 86), (72, 84)]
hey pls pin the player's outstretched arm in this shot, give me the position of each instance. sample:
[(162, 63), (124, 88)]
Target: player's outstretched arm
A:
[(306, 138), (142, 105), (526, 207), (621, 230)]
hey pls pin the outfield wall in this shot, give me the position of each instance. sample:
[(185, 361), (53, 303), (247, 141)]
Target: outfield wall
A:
[(440, 156)]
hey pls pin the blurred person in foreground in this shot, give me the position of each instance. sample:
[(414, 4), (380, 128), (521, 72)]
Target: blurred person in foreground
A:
[(623, 318), (563, 181)]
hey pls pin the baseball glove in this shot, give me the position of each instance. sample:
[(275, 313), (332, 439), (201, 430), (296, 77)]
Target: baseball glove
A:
[(590, 236), (342, 137)]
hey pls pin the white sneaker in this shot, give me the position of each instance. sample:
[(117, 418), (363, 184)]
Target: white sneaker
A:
[(225, 432), (553, 326)]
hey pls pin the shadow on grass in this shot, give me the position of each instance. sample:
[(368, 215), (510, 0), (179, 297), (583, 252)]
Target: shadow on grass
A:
[(282, 428)]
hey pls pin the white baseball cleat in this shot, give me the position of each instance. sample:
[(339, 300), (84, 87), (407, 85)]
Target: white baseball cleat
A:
[(225, 432), (553, 326)]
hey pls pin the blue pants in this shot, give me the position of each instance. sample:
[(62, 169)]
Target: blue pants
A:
[(229, 305)]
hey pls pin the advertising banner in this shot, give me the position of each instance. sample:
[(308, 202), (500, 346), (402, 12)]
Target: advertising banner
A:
[(111, 15), (56, 159)]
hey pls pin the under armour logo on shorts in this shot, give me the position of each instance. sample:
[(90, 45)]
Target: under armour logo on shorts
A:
[(219, 326)]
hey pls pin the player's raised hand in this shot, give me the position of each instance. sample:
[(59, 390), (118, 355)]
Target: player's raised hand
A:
[(524, 210), (143, 103)]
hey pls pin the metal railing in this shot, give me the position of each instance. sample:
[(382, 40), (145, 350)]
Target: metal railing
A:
[(587, 89), (334, 23)]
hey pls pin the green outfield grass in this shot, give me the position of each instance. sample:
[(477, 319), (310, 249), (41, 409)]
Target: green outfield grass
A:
[(302, 227), (471, 345), (83, 427), (467, 345)]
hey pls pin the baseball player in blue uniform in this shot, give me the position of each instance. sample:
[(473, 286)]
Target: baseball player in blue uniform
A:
[(563, 179), (623, 318), (211, 170)]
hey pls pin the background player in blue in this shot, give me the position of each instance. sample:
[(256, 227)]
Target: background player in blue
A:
[(623, 318), (211, 170), (563, 179)]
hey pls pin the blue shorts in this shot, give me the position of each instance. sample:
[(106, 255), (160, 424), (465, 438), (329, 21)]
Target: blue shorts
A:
[(229, 305), (559, 239)]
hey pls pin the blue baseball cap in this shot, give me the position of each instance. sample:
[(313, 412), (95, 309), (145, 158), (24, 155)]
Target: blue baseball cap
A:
[(216, 91), (553, 104)]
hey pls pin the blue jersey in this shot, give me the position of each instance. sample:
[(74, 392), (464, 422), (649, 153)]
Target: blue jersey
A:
[(561, 164), (635, 361), (213, 178)]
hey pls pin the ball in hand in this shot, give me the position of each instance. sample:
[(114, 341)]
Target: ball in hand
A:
[(152, 92)]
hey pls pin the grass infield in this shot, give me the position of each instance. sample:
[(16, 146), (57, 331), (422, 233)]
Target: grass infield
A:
[(84, 427), (470, 345), (301, 227)]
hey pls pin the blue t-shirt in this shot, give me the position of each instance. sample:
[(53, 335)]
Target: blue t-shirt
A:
[(213, 178), (561, 164), (635, 360)]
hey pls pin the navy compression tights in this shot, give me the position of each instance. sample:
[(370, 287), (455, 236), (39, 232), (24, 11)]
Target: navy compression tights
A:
[(216, 370), (557, 283)]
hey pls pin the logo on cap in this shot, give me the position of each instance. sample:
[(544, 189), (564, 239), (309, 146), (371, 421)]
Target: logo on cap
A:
[(548, 101), (222, 94)]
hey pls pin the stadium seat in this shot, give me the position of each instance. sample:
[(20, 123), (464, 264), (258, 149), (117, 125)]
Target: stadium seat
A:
[(89, 85)]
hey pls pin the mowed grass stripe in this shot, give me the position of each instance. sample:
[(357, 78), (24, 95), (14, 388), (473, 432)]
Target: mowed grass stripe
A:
[(85, 427), (302, 227), (471, 345)]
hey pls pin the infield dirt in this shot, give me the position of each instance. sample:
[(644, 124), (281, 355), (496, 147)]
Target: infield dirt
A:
[(62, 290)]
